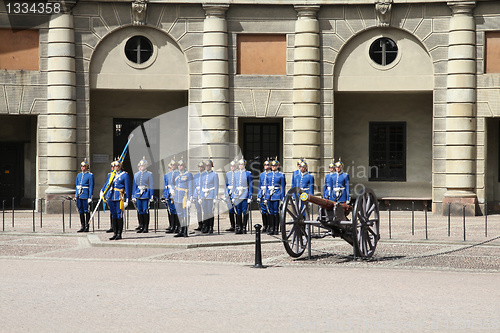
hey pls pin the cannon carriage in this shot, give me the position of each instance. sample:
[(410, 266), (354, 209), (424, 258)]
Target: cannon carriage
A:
[(361, 230)]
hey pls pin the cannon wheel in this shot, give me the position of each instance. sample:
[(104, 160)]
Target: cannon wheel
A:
[(366, 224), (293, 229)]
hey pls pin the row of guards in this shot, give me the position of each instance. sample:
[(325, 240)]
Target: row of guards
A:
[(182, 189)]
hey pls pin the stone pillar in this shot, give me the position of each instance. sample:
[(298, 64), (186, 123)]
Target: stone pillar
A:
[(306, 88), (461, 111), (215, 83), (61, 108)]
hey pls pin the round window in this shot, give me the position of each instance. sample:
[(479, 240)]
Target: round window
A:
[(138, 49), (383, 51)]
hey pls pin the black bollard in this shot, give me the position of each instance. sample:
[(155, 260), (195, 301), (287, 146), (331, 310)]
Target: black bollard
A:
[(70, 214), (485, 219), (426, 221), (463, 214), (449, 214), (258, 253), (413, 217), (63, 214), (41, 211), (390, 227), (3, 215)]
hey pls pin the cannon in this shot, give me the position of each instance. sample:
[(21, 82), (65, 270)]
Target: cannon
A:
[(362, 231)]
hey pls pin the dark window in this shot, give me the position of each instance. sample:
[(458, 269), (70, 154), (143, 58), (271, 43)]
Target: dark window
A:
[(138, 49), (261, 140), (383, 51), (388, 151)]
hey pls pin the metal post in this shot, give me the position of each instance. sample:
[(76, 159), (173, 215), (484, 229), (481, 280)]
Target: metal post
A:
[(13, 198), (485, 219), (98, 218), (425, 207), (390, 226), (413, 217), (3, 215), (41, 210), (63, 213), (463, 213), (258, 250), (154, 212), (309, 241), (449, 214), (69, 214), (34, 204)]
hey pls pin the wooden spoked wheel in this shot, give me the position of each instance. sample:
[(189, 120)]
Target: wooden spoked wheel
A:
[(366, 224), (293, 229)]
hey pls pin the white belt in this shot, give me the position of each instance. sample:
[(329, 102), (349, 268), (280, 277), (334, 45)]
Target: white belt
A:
[(304, 188), (142, 187), (263, 187), (80, 187), (338, 189), (239, 188), (329, 188), (274, 187), (208, 189), (230, 187)]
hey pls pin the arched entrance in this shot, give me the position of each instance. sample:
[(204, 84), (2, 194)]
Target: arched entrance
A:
[(136, 74), (384, 113)]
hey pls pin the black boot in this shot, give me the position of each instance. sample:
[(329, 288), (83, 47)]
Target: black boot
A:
[(145, 221), (231, 220), (120, 228), (110, 224), (200, 226), (245, 223), (140, 217), (265, 223), (181, 232), (177, 224), (270, 221), (211, 225), (200, 221), (87, 221), (239, 222), (205, 227), (170, 228), (114, 227), (82, 222)]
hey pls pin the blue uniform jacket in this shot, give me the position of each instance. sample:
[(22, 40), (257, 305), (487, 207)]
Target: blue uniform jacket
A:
[(84, 185), (276, 186), (230, 184), (209, 185), (262, 184), (169, 184), (305, 181), (197, 186), (120, 184), (142, 187), (183, 187), (243, 185), (341, 182), (295, 174), (327, 189)]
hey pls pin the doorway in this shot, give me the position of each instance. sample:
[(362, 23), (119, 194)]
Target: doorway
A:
[(11, 172)]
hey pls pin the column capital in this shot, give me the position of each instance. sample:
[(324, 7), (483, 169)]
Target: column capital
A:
[(462, 7), (66, 5), (307, 11), (215, 10)]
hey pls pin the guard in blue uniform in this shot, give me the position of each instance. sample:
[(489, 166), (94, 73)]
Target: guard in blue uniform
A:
[(142, 194), (261, 195), (83, 195), (297, 172), (196, 195), (340, 184), (117, 197), (304, 180), (209, 192), (183, 195), (228, 194), (327, 189), (242, 196), (168, 197), (274, 195)]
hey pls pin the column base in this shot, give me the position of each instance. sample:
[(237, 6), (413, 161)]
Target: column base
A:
[(454, 202), (54, 196)]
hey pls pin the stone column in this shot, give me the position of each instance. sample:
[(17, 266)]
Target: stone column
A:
[(215, 83), (61, 107), (461, 110), (306, 87)]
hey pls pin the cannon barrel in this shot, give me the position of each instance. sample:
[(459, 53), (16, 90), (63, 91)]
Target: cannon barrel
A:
[(323, 203)]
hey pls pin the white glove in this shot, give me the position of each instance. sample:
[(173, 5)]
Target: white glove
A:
[(265, 202), (249, 201), (258, 200), (125, 205), (200, 201), (89, 200), (347, 202), (101, 194), (233, 201), (151, 200), (188, 204), (134, 200)]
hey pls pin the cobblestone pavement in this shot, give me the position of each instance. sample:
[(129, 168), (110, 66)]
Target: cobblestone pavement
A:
[(55, 281)]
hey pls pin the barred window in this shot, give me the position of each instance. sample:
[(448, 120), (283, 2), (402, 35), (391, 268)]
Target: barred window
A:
[(387, 151)]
